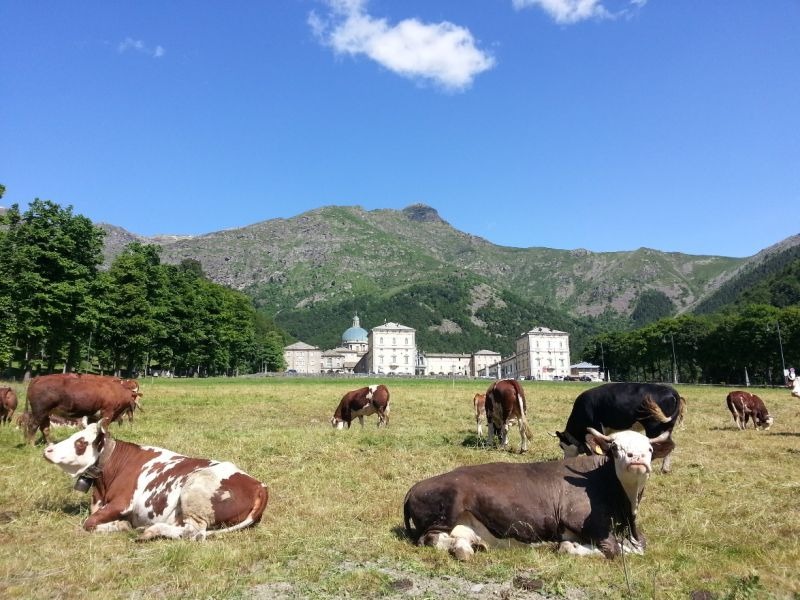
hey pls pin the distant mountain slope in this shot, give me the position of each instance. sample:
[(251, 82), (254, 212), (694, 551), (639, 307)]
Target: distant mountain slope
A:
[(768, 277), (337, 251), (342, 259)]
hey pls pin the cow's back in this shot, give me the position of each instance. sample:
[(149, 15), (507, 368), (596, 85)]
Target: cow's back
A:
[(618, 406), (523, 501)]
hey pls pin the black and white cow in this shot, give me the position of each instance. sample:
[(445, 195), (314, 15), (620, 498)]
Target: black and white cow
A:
[(587, 503), (649, 407)]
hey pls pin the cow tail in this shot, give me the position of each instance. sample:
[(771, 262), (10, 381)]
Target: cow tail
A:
[(410, 531), (654, 410), (526, 429), (681, 410)]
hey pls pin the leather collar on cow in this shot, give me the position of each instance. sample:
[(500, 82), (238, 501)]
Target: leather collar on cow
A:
[(105, 443)]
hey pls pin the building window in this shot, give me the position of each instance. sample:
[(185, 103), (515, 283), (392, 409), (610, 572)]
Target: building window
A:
[(394, 341), (381, 342)]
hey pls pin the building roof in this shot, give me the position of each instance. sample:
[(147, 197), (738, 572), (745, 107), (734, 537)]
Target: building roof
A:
[(300, 346), (584, 365), (446, 355), (393, 326), (356, 333), (543, 330), (490, 352), (333, 352)]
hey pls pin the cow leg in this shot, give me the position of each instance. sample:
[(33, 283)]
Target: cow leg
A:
[(492, 432), (189, 531), (105, 519), (504, 436), (524, 439), (113, 527), (480, 428), (576, 549), (361, 420), (666, 453)]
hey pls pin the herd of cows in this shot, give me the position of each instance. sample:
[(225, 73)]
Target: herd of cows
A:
[(587, 503)]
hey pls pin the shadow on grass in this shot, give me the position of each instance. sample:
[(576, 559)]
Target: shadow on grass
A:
[(71, 507), (473, 441), (399, 533)]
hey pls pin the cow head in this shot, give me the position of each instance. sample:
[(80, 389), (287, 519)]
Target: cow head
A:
[(80, 451), (632, 453), (337, 422)]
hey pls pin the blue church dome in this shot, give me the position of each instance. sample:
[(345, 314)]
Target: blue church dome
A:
[(355, 333)]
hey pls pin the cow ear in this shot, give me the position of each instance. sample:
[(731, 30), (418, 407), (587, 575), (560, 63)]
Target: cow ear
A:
[(597, 442)]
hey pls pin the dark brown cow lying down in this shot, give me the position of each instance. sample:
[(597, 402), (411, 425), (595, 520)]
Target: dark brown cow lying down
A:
[(163, 493), (581, 502)]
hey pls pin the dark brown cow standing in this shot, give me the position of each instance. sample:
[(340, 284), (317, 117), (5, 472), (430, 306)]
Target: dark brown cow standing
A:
[(104, 399), (505, 403), (479, 406), (8, 404), (361, 403), (744, 405), (166, 494)]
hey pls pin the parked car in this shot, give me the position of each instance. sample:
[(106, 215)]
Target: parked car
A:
[(585, 378)]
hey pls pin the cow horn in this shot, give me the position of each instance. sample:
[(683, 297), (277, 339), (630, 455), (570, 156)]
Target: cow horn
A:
[(599, 435), (661, 438)]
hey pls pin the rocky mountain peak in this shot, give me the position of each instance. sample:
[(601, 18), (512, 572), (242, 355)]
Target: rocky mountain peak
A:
[(422, 213)]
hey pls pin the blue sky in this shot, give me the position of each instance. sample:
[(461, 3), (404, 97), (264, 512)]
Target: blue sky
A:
[(598, 124)]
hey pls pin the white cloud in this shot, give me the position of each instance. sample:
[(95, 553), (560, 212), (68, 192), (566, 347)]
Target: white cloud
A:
[(440, 52), (572, 11), (140, 46)]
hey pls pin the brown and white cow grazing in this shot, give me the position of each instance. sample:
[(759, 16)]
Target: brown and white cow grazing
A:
[(505, 403), (8, 404), (362, 403), (73, 396), (166, 494), (479, 406), (744, 406), (586, 503)]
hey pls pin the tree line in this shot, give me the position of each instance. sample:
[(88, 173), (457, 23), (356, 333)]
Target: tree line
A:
[(754, 344), (60, 312)]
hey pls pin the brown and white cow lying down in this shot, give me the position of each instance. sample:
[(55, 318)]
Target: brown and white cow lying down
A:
[(584, 503), (479, 406), (744, 406), (8, 404), (362, 403), (505, 404), (163, 493)]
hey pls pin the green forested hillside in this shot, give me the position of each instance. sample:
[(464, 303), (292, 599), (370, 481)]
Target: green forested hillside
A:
[(450, 315), (774, 280)]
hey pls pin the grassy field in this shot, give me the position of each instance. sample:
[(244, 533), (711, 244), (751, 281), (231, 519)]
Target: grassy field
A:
[(726, 521)]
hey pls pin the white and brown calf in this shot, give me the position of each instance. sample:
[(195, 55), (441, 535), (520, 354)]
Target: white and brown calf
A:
[(156, 490)]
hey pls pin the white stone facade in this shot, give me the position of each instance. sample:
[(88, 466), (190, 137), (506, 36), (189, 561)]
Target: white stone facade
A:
[(484, 363), (302, 358), (542, 353), (392, 349), (447, 364)]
